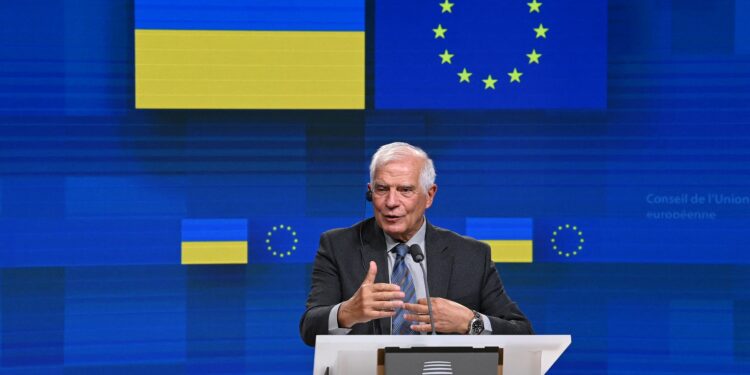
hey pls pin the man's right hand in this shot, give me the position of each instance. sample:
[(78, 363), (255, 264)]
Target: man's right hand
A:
[(371, 301)]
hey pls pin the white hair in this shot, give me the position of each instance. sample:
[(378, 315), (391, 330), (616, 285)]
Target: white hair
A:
[(400, 150)]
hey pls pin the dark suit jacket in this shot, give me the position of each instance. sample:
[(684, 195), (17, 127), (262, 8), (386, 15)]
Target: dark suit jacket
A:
[(458, 268)]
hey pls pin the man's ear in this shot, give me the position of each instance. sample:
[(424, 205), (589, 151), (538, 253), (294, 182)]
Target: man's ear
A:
[(431, 194)]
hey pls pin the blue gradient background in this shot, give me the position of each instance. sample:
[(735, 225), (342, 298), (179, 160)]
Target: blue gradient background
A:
[(93, 193)]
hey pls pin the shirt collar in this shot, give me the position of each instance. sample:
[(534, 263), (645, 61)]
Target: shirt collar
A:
[(417, 238)]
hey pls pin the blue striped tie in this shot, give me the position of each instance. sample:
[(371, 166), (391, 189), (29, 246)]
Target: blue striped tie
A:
[(402, 278)]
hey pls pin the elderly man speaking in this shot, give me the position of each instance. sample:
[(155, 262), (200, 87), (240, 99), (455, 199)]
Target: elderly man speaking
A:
[(364, 280)]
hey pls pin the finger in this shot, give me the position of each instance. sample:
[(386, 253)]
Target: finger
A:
[(387, 296), (383, 287), (377, 314), (388, 305), (417, 318), (423, 301), (371, 273), (421, 327), (415, 308)]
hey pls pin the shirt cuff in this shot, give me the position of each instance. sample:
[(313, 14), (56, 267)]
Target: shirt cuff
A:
[(487, 325), (333, 322)]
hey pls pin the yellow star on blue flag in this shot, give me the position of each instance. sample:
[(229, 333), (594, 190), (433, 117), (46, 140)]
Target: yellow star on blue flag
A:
[(539, 46)]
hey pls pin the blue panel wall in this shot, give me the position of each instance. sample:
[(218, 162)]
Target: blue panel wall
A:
[(93, 195)]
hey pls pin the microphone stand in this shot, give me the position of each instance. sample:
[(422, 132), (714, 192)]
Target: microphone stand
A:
[(416, 254)]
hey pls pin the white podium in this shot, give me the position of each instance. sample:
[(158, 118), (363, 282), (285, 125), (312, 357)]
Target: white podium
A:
[(357, 354)]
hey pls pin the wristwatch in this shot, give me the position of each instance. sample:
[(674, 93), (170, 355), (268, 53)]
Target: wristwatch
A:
[(476, 325)]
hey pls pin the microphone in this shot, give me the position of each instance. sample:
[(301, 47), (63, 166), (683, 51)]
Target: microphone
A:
[(418, 256)]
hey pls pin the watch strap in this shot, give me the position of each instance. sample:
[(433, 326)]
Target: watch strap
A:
[(476, 325)]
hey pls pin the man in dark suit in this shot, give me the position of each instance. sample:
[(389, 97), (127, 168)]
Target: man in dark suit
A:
[(363, 283)]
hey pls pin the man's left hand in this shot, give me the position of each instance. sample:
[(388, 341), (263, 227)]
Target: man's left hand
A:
[(449, 316)]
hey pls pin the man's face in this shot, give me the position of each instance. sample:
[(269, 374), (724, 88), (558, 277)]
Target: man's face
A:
[(398, 199)]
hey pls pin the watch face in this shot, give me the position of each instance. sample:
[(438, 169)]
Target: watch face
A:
[(477, 326)]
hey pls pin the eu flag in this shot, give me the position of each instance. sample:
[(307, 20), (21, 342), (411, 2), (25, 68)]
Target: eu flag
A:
[(512, 54)]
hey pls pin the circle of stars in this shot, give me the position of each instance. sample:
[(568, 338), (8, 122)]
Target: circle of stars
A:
[(278, 230), (571, 247), (464, 76)]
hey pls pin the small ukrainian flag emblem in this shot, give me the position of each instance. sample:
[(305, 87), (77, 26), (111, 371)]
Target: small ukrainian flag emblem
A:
[(510, 239), (214, 241)]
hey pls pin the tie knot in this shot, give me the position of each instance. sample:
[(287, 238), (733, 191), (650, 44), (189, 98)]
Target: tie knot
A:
[(401, 250)]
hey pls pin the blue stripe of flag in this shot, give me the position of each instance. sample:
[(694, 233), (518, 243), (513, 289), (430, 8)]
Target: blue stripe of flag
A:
[(499, 228), (214, 230), (256, 15)]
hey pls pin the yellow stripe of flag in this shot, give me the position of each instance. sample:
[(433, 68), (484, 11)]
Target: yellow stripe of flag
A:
[(511, 251), (249, 69), (214, 252)]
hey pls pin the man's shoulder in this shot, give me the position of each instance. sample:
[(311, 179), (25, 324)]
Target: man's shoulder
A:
[(346, 233), (336, 233), (453, 239)]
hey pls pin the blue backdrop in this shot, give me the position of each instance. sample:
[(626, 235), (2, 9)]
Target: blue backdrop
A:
[(94, 194)]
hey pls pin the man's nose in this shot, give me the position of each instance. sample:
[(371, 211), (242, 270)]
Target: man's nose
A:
[(392, 199)]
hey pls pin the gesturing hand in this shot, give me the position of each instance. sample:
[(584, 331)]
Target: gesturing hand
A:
[(370, 301), (448, 316)]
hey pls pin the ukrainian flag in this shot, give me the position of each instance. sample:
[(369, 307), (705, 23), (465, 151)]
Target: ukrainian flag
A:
[(262, 54), (214, 241), (511, 239)]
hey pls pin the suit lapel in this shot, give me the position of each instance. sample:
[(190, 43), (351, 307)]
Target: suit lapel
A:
[(439, 263), (374, 250)]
